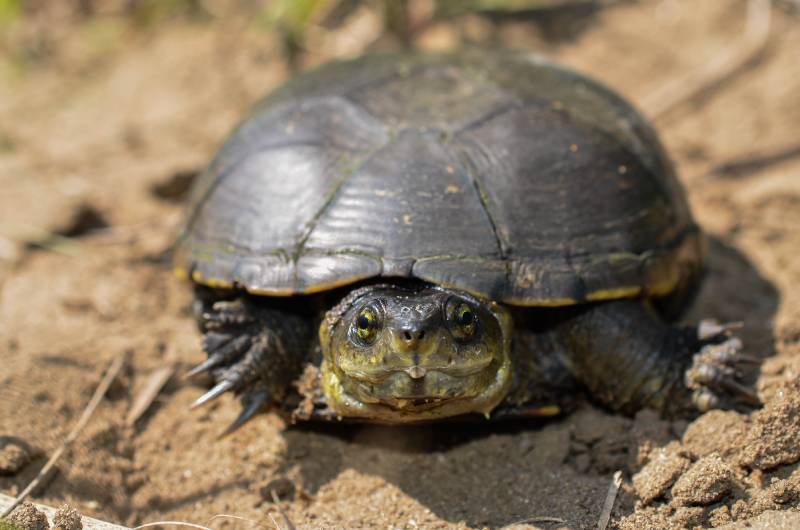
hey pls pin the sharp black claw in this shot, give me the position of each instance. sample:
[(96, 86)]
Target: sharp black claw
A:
[(205, 366), (214, 393), (253, 404), (740, 390)]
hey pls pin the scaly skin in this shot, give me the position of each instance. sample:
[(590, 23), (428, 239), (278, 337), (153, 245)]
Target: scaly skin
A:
[(400, 354)]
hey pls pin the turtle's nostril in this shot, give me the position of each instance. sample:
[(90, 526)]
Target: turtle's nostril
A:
[(413, 335)]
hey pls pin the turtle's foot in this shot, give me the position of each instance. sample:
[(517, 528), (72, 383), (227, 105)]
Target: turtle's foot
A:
[(253, 351), (714, 376)]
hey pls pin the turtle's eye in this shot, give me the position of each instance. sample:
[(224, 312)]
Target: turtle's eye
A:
[(366, 325), (464, 321)]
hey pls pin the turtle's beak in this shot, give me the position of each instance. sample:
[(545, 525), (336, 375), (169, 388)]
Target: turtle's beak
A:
[(416, 372)]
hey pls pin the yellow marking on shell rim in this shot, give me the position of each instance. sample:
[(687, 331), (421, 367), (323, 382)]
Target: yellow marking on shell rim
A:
[(321, 287), (540, 302), (546, 411), (214, 283), (271, 292), (614, 293)]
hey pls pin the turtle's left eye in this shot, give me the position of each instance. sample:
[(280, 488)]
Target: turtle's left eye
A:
[(464, 321)]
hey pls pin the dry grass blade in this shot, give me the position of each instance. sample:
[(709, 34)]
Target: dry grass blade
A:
[(240, 518), (535, 519), (724, 65), (149, 393), (608, 505), (174, 523), (101, 390), (751, 163)]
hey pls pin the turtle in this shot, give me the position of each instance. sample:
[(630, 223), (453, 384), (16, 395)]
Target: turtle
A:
[(409, 237)]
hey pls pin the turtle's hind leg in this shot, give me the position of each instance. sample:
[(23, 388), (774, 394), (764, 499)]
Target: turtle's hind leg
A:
[(254, 350), (630, 359)]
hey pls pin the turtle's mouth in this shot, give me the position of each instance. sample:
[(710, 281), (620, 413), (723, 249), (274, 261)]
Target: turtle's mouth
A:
[(393, 402), (429, 389), (420, 403)]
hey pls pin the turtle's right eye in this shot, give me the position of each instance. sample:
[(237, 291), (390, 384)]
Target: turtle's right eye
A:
[(366, 325)]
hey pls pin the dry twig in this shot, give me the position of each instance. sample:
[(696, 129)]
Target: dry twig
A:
[(611, 497), (535, 519), (101, 390), (723, 66), (149, 393), (286, 519), (750, 163)]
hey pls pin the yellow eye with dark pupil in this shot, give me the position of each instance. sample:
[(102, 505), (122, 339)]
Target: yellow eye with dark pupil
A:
[(366, 324), (465, 316), (465, 321), (363, 321)]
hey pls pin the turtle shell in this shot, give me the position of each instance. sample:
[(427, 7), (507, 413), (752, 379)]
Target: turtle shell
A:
[(500, 174)]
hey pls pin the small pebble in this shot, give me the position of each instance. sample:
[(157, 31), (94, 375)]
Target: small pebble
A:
[(13, 456), (67, 518), (26, 516)]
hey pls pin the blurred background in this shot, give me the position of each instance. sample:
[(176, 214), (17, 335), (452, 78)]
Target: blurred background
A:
[(109, 108)]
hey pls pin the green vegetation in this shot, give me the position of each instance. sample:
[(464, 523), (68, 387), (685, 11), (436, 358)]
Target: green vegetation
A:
[(10, 11), (8, 525)]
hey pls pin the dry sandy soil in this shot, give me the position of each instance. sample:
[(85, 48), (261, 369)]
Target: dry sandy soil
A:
[(97, 114)]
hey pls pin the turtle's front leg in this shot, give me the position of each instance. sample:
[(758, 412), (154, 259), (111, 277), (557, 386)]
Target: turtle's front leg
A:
[(630, 359), (254, 350)]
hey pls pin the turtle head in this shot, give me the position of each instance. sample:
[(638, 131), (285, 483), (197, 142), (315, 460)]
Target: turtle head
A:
[(396, 354)]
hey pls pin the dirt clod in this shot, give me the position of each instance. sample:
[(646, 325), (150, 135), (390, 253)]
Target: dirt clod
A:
[(13, 456), (688, 516), (784, 491), (665, 466), (28, 517), (718, 431), (719, 516), (67, 518), (774, 436), (708, 480)]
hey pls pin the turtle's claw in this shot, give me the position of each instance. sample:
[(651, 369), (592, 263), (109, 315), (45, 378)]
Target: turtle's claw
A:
[(220, 351), (253, 351), (713, 376), (214, 393), (252, 403)]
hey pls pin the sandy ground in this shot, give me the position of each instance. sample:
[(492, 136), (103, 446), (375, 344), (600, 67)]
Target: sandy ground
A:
[(110, 112)]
